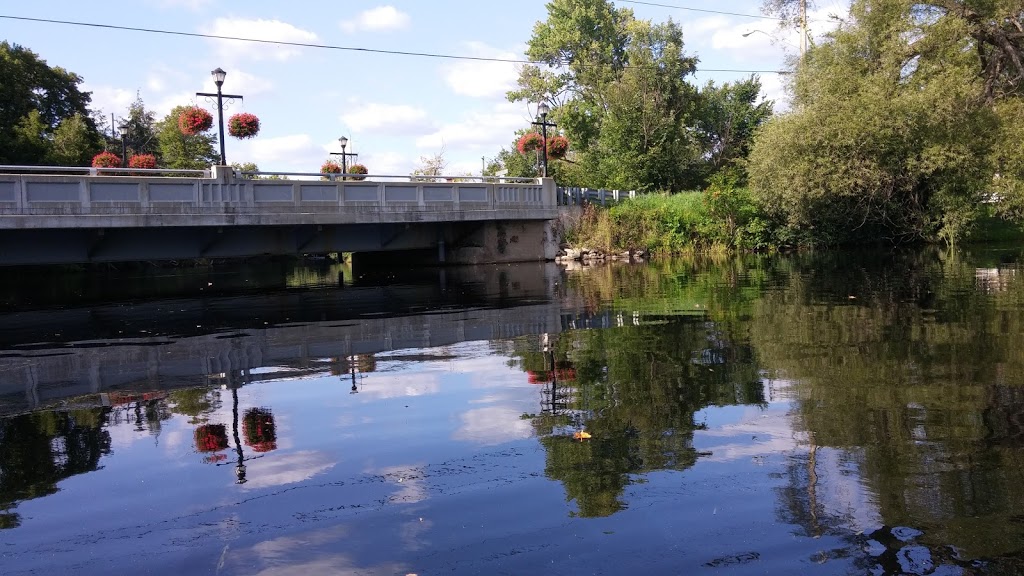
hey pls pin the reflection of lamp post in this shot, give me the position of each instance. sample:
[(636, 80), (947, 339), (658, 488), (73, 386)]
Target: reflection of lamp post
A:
[(542, 111), (218, 79), (240, 467)]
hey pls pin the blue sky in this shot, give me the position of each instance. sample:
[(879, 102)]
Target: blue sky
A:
[(394, 109)]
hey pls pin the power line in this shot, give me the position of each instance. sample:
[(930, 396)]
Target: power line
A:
[(327, 46), (703, 10)]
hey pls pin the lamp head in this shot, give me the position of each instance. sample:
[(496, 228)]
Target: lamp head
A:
[(543, 109), (218, 77), (343, 141)]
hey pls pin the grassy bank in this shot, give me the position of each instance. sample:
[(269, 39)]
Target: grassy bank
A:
[(720, 219)]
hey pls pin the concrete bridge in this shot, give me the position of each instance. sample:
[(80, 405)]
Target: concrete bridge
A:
[(78, 215)]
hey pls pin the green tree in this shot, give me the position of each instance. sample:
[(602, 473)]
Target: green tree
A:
[(30, 85), (74, 144), (890, 137), (197, 152), (727, 118), (140, 130)]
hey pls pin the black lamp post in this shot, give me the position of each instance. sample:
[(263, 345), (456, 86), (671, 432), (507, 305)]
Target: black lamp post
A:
[(123, 127), (542, 111), (344, 155), (218, 79)]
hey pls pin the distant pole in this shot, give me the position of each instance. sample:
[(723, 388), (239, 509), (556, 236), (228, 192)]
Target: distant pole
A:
[(803, 27), (483, 166), (123, 127), (343, 141)]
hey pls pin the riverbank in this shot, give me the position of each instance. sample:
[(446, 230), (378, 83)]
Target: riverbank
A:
[(719, 220)]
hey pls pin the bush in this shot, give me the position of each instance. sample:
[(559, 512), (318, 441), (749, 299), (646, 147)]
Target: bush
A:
[(357, 169), (558, 146), (529, 142), (330, 167)]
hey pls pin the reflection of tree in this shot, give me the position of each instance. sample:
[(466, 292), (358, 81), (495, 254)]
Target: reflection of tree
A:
[(917, 376), (197, 403), (637, 390), (39, 450)]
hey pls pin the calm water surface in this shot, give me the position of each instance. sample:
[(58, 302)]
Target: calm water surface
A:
[(825, 414)]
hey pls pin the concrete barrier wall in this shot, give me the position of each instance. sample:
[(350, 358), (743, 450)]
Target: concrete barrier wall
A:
[(48, 201)]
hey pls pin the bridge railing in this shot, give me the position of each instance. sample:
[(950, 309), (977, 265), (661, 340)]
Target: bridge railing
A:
[(135, 198), (575, 196)]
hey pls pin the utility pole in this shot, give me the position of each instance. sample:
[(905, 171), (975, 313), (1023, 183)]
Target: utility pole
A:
[(803, 27)]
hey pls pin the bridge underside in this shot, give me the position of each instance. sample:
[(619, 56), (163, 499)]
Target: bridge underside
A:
[(453, 243)]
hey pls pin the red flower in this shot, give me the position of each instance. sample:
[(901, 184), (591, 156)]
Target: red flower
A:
[(529, 142), (330, 167), (106, 160), (142, 161), (244, 125), (558, 146), (211, 438), (194, 120)]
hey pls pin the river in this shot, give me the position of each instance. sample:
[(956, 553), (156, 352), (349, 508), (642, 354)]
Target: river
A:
[(827, 413)]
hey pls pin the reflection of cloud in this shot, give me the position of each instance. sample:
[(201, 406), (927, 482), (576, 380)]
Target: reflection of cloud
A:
[(411, 485), (275, 470), (493, 425), (764, 433), (301, 555), (382, 387)]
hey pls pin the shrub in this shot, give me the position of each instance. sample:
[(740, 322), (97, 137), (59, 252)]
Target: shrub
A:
[(244, 125), (106, 159), (194, 120)]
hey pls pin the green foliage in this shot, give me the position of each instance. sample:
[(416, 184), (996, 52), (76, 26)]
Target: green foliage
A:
[(74, 143), (725, 122), (34, 99), (889, 140), (196, 152)]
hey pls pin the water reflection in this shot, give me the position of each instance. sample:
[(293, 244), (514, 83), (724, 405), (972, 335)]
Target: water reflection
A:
[(814, 413)]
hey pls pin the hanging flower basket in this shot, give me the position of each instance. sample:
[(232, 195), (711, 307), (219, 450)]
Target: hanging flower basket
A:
[(194, 120), (358, 169), (106, 160), (244, 125), (558, 146), (330, 167), (259, 429), (211, 438), (529, 142), (143, 161)]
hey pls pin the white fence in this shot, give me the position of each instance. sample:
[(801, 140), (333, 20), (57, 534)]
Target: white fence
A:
[(579, 196)]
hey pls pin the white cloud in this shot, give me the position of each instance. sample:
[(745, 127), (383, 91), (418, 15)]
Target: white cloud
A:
[(379, 19), (387, 119), (296, 152), (386, 163), (110, 99), (271, 30), (479, 130), (480, 79)]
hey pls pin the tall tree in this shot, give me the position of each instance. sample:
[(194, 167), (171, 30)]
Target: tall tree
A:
[(139, 131), (30, 85), (74, 143), (726, 120), (197, 152)]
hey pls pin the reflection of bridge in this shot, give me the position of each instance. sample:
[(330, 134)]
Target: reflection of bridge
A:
[(41, 376), (74, 218)]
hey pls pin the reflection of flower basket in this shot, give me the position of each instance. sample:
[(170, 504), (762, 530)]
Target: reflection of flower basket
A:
[(244, 125), (330, 167), (194, 120), (358, 169), (259, 429), (144, 161), (106, 160), (529, 142), (211, 438), (558, 146)]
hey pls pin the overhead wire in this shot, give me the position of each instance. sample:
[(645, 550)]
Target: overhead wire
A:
[(330, 46), (702, 10)]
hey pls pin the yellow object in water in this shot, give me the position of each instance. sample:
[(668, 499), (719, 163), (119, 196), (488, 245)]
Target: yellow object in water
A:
[(581, 435)]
